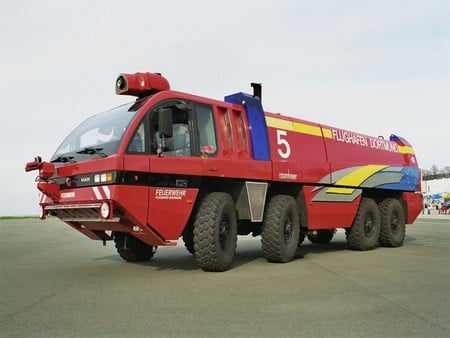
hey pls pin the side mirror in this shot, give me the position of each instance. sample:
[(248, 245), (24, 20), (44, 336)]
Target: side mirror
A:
[(165, 122)]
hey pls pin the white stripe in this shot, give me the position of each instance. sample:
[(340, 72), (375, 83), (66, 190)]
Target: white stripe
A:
[(106, 191), (97, 193)]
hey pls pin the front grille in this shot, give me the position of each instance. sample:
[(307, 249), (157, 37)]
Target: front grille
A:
[(78, 212)]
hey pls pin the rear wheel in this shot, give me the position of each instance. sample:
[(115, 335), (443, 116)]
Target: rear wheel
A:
[(321, 236), (281, 229), (215, 232), (392, 223), (133, 249), (365, 231)]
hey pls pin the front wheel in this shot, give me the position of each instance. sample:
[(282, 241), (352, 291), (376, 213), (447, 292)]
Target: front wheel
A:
[(188, 238), (215, 232), (281, 229), (365, 231), (132, 249)]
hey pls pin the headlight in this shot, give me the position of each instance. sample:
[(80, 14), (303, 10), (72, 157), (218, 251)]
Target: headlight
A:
[(104, 177), (104, 210)]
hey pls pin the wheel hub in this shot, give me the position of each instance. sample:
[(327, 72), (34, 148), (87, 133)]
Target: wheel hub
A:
[(224, 230), (368, 226), (288, 230), (394, 223)]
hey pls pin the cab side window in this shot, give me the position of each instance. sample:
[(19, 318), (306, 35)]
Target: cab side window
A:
[(206, 131), (193, 130), (180, 142), (137, 144)]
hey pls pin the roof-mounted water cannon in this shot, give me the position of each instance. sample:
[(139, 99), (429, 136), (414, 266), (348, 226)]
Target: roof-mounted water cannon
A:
[(141, 84)]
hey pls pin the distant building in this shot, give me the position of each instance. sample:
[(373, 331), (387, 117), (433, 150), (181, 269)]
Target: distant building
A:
[(436, 196), (437, 186)]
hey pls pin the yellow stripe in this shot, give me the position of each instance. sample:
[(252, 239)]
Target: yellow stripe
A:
[(327, 133), (345, 191), (406, 150), (297, 127), (307, 129), (355, 178), (279, 123)]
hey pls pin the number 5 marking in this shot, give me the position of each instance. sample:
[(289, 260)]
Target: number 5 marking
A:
[(283, 143)]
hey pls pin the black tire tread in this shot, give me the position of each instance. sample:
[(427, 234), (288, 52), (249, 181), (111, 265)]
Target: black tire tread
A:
[(356, 238), (188, 239), (387, 237), (207, 250), (272, 237), (135, 250)]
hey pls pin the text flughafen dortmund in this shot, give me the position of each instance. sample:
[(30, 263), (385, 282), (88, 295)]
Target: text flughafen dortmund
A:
[(364, 141)]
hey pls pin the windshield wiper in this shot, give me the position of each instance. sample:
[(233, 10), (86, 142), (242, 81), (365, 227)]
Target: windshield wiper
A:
[(64, 159), (92, 151)]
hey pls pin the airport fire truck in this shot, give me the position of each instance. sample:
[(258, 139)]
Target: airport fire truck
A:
[(172, 165)]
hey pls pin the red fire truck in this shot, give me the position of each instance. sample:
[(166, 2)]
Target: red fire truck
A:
[(171, 165)]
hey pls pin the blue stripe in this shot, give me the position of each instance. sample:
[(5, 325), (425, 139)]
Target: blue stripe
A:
[(408, 182)]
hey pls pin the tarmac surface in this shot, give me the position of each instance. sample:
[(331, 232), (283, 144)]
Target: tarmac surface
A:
[(54, 282)]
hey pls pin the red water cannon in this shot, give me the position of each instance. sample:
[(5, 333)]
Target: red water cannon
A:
[(141, 84), (34, 165), (46, 172), (46, 169)]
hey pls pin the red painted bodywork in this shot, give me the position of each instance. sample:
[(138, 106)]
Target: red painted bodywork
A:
[(158, 215)]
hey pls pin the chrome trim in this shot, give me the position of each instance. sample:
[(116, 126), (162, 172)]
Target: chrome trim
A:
[(99, 220), (72, 206)]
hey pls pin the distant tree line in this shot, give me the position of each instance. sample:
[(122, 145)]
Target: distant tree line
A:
[(435, 173)]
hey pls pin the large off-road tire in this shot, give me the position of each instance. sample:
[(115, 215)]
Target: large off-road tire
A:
[(281, 229), (215, 232), (365, 231), (132, 249), (321, 236), (188, 238), (393, 228)]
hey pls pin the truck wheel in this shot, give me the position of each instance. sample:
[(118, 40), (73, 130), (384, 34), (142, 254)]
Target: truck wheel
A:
[(320, 236), (188, 238), (132, 249), (392, 223), (365, 231), (281, 229), (215, 232)]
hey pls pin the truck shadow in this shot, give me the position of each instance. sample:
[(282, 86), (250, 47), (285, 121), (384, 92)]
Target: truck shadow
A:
[(247, 252), (309, 248)]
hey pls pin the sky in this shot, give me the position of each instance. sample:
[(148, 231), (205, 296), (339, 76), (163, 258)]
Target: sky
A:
[(374, 67)]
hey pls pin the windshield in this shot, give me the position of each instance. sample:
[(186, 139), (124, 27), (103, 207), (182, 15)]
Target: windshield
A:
[(100, 135)]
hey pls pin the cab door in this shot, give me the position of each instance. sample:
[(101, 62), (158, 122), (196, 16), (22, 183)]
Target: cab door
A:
[(175, 168), (134, 186)]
